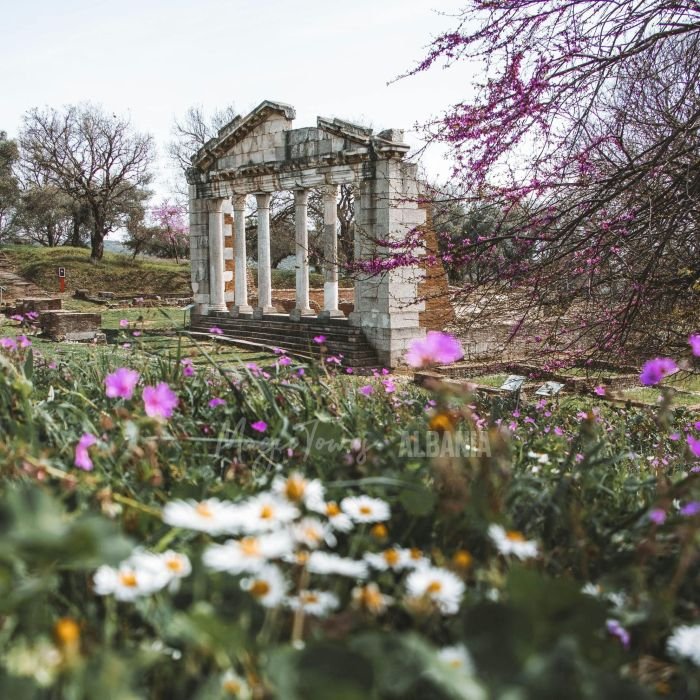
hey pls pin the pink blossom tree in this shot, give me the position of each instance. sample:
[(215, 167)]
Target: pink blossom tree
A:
[(582, 138), (169, 219)]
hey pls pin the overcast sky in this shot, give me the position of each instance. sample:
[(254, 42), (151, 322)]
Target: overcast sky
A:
[(151, 59)]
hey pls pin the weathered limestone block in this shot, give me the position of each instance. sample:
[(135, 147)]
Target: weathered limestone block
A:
[(70, 325)]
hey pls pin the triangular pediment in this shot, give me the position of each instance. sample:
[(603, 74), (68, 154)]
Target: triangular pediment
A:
[(277, 115)]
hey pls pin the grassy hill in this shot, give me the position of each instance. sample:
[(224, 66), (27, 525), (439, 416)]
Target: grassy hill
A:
[(114, 273)]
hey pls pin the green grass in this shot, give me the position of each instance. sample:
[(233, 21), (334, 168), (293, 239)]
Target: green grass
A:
[(495, 380), (119, 273), (114, 273), (651, 396)]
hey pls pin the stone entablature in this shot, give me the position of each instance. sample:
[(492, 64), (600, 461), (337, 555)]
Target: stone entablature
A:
[(262, 153)]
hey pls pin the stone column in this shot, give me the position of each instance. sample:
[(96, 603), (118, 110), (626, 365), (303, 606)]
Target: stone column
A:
[(216, 255), (330, 252), (264, 269), (240, 257), (301, 222)]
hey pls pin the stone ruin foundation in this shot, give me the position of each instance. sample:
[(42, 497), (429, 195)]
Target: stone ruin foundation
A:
[(72, 326)]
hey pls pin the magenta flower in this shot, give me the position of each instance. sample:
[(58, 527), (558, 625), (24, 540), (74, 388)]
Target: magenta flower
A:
[(600, 390), (159, 401), (23, 341), (121, 383), (694, 445), (82, 457), (694, 342), (32, 315), (8, 343), (216, 401), (655, 370), (332, 359), (216, 330), (259, 426), (349, 370), (284, 361), (657, 516), (124, 323), (187, 367), (617, 630), (136, 334), (435, 349), (366, 390), (320, 339), (389, 386), (691, 509), (17, 317)]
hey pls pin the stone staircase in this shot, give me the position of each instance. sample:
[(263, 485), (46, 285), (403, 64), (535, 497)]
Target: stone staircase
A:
[(295, 338), (16, 287)]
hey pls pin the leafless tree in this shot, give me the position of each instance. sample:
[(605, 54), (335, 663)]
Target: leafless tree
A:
[(93, 157)]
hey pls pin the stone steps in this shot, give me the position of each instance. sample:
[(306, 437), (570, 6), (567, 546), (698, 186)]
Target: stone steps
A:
[(16, 286), (294, 338)]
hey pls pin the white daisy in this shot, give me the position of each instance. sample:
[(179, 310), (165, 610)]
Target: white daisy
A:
[(317, 603), (247, 554), (684, 643), (266, 512), (268, 586), (441, 587), (312, 533), (338, 520), (234, 686), (128, 582), (327, 563), (168, 567), (363, 509), (371, 599), (512, 542), (396, 558), (212, 516), (297, 489), (457, 657)]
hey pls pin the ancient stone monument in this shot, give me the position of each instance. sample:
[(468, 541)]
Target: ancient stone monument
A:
[(260, 154)]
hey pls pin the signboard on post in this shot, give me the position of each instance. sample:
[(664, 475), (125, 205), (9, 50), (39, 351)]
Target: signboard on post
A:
[(62, 279)]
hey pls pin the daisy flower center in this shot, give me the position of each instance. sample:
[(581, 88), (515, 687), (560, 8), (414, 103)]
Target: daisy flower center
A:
[(371, 597), (365, 510), (416, 554), (307, 598), (232, 687), (302, 558), (259, 588), (267, 512), (332, 509), (434, 587), (250, 546), (294, 489), (391, 557), (204, 511), (174, 564), (312, 534), (515, 536), (128, 579)]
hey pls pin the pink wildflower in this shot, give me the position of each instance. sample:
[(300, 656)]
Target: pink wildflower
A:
[(655, 370), (694, 445), (82, 458), (124, 323), (284, 361), (657, 516), (366, 390), (8, 343), (121, 383), (259, 426), (216, 330), (23, 341), (159, 401), (435, 349), (187, 367), (320, 339), (216, 401), (389, 386), (694, 341), (600, 390)]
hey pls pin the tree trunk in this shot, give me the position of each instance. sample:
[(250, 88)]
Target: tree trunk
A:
[(97, 244)]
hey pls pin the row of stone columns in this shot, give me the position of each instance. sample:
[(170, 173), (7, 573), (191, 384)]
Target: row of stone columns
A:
[(217, 265)]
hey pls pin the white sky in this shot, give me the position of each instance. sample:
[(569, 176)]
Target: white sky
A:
[(152, 59)]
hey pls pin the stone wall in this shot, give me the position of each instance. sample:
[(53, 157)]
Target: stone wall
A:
[(70, 325)]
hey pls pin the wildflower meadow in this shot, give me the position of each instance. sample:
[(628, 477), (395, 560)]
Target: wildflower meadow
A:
[(261, 532)]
